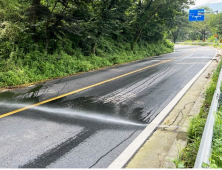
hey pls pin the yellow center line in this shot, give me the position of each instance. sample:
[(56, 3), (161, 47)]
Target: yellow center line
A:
[(88, 87)]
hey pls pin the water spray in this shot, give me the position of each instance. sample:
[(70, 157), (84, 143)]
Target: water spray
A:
[(75, 113)]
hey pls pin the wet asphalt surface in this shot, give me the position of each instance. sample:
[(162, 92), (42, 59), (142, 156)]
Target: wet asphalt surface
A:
[(91, 128)]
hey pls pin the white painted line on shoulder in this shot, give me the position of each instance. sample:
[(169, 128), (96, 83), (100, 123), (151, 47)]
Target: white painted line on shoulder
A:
[(131, 150)]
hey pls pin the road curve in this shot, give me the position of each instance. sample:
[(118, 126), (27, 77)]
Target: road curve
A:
[(87, 120)]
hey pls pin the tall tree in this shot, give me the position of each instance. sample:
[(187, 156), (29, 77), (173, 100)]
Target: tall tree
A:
[(148, 9), (178, 24)]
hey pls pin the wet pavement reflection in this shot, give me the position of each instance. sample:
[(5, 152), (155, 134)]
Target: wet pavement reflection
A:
[(108, 116)]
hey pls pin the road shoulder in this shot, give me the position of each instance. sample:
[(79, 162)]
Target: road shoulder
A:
[(169, 139)]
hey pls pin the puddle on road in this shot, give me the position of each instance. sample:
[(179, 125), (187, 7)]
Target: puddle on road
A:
[(91, 104), (27, 96)]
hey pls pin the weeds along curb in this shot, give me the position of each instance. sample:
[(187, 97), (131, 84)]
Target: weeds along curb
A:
[(215, 159), (197, 125), (204, 151)]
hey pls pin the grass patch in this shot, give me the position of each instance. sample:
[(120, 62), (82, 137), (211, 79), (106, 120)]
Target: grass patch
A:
[(216, 157)]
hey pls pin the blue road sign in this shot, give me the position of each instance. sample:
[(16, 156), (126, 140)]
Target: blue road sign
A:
[(196, 15)]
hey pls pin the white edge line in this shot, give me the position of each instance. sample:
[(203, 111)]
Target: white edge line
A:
[(131, 150)]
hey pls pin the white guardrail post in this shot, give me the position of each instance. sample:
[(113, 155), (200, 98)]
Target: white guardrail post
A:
[(204, 152)]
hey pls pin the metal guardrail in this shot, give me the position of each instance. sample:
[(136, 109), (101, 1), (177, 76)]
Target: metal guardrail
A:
[(204, 152)]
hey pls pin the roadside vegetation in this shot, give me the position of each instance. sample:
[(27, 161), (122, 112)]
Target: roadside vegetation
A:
[(202, 44), (195, 131), (21, 68), (216, 157), (197, 32), (44, 39)]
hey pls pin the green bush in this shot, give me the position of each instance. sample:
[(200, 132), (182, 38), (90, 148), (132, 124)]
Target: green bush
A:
[(211, 39), (22, 68)]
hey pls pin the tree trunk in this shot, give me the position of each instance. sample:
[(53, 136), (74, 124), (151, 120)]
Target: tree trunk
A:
[(34, 10), (139, 32), (175, 35), (47, 38), (36, 2), (32, 18), (93, 49), (46, 44), (136, 38), (174, 39), (204, 35)]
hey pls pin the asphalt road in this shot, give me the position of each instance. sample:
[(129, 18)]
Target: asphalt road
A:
[(105, 112)]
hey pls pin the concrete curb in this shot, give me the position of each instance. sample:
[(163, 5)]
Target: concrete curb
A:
[(179, 144)]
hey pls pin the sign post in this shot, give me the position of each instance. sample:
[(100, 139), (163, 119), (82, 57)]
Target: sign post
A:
[(196, 14)]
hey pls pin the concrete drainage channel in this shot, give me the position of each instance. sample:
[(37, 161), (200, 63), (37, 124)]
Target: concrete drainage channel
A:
[(136, 156)]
